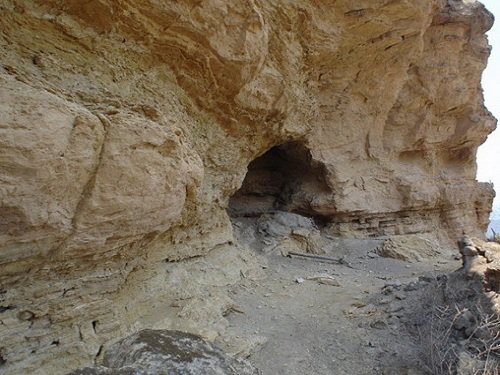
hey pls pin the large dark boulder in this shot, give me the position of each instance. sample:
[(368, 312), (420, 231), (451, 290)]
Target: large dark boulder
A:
[(155, 352)]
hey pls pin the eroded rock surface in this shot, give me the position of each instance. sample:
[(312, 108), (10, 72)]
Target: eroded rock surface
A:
[(126, 127), (151, 352)]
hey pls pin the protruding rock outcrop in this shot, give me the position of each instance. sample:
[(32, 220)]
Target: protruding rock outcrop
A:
[(126, 127)]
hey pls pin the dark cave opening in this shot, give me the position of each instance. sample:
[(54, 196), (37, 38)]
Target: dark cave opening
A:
[(285, 178)]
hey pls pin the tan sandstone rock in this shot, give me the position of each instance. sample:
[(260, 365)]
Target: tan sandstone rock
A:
[(126, 127)]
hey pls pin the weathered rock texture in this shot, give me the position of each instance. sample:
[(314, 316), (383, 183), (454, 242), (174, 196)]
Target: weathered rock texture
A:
[(127, 126), (165, 353)]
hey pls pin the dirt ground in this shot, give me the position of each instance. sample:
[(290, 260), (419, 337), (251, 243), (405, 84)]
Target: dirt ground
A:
[(310, 303), (314, 316)]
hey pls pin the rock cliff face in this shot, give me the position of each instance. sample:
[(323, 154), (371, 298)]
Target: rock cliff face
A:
[(127, 129)]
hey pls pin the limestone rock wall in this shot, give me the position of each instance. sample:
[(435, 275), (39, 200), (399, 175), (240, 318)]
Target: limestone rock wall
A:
[(126, 126)]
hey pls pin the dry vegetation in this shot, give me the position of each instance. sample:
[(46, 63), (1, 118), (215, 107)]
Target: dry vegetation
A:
[(495, 237), (459, 332)]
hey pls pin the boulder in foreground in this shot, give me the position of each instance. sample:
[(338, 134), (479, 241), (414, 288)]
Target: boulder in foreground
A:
[(161, 352)]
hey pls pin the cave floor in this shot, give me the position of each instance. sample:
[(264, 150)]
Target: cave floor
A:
[(303, 324)]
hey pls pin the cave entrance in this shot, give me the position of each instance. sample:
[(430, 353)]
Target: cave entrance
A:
[(285, 178)]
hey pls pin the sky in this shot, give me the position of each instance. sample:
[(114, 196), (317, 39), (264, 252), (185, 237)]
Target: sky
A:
[(488, 157)]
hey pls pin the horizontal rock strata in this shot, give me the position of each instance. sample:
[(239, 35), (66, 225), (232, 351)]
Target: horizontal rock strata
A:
[(127, 129)]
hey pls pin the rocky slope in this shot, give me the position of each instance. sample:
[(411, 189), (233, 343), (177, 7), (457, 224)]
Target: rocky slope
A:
[(127, 129)]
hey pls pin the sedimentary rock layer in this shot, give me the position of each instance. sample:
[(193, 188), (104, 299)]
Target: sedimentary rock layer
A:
[(127, 126)]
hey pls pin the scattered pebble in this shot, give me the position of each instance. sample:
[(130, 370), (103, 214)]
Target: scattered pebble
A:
[(358, 304), (425, 279), (393, 307), (378, 324), (400, 296), (324, 279), (411, 287)]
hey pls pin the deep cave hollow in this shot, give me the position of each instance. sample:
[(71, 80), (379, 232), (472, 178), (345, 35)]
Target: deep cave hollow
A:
[(285, 178)]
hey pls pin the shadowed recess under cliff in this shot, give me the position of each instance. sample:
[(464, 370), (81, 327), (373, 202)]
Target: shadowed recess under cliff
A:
[(285, 178)]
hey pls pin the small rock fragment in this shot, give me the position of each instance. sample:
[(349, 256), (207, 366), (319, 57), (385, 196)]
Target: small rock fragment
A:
[(325, 279)]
